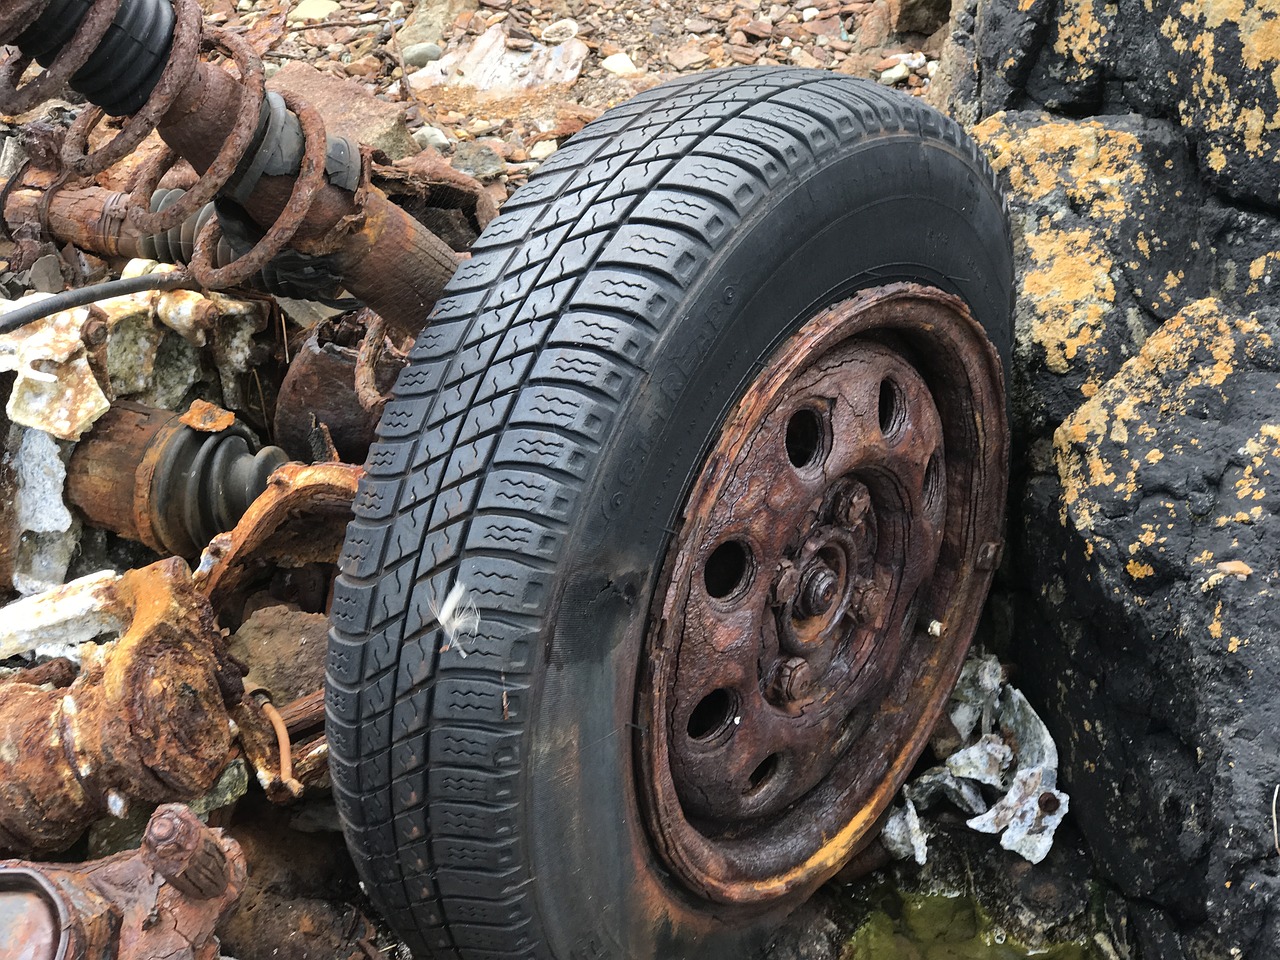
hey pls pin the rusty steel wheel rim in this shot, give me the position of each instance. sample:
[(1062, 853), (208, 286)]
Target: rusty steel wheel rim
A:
[(819, 597)]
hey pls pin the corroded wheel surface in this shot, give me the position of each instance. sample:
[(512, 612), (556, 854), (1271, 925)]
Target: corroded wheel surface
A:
[(819, 599)]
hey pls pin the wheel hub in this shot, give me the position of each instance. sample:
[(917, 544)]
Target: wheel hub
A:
[(791, 685)]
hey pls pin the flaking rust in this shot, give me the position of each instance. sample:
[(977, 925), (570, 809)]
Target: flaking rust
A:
[(146, 720), (162, 900)]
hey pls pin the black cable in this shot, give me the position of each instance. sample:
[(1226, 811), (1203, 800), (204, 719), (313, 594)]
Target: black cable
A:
[(82, 296)]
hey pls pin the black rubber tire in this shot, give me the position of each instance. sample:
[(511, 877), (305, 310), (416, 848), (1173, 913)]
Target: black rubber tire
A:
[(538, 449)]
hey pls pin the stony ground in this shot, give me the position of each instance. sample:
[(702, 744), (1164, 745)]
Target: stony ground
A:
[(497, 85)]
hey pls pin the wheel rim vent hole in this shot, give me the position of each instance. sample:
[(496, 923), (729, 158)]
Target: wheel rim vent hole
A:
[(892, 409), (712, 714), (727, 569), (763, 774), (804, 438)]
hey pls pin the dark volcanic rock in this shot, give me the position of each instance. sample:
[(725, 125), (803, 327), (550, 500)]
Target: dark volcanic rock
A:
[(1210, 66), (1157, 552), (1102, 225)]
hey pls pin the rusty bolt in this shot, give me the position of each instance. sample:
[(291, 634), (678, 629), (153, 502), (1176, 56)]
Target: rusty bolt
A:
[(185, 852), (819, 588), (94, 331), (795, 678), (1049, 802)]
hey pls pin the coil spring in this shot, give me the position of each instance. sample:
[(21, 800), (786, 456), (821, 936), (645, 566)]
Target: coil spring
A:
[(294, 275), (126, 51)]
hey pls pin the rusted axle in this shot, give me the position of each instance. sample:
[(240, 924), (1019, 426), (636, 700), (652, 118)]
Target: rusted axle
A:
[(219, 123), (163, 900)]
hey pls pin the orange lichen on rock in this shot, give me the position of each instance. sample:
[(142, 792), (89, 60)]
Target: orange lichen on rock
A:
[(1102, 446)]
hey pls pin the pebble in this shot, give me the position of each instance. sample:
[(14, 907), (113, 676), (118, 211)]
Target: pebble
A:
[(810, 13), (543, 149), (430, 137), (900, 71), (420, 54), (479, 161), (313, 10), (619, 64), (560, 32)]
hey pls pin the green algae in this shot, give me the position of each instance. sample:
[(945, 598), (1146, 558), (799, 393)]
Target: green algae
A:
[(907, 926)]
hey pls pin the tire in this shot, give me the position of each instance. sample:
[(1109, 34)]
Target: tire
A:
[(538, 450)]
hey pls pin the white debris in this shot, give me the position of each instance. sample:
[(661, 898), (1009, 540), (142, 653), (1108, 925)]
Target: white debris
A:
[(903, 836), (973, 703), (985, 761), (57, 621), (55, 389), (1028, 814), (48, 532), (488, 66), (1006, 749), (939, 783), (458, 617)]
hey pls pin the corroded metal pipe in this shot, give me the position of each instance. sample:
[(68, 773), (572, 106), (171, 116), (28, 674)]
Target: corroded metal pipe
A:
[(162, 900)]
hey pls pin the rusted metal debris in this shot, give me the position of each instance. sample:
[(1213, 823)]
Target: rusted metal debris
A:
[(322, 493), (230, 131), (817, 603), (146, 720), (151, 476), (162, 900)]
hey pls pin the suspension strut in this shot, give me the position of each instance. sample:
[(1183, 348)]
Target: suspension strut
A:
[(265, 153)]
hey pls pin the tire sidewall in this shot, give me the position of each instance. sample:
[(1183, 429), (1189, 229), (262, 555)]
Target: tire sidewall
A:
[(889, 207)]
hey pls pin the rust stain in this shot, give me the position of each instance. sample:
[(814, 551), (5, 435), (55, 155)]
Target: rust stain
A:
[(146, 719)]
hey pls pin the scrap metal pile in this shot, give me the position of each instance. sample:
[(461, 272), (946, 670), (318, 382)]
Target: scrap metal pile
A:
[(177, 465)]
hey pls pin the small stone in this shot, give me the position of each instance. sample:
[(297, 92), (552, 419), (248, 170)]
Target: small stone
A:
[(420, 54), (430, 137), (313, 10), (479, 161), (619, 64), (543, 149), (810, 13), (895, 74), (560, 32), (366, 66), (759, 29), (698, 25), (687, 57), (395, 10), (888, 63)]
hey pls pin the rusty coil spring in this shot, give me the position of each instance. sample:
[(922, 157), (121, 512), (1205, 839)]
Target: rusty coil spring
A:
[(191, 37)]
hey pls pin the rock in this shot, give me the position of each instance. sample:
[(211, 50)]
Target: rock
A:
[(348, 109), (560, 32), (313, 10), (1210, 67), (899, 71), (284, 650), (420, 54), (488, 66), (620, 64), (688, 57), (1099, 206), (478, 161), (698, 25), (1158, 666), (429, 22), (918, 16), (543, 149), (431, 137)]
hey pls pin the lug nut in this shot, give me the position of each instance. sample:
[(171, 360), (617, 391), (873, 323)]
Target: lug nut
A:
[(795, 678), (819, 588)]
